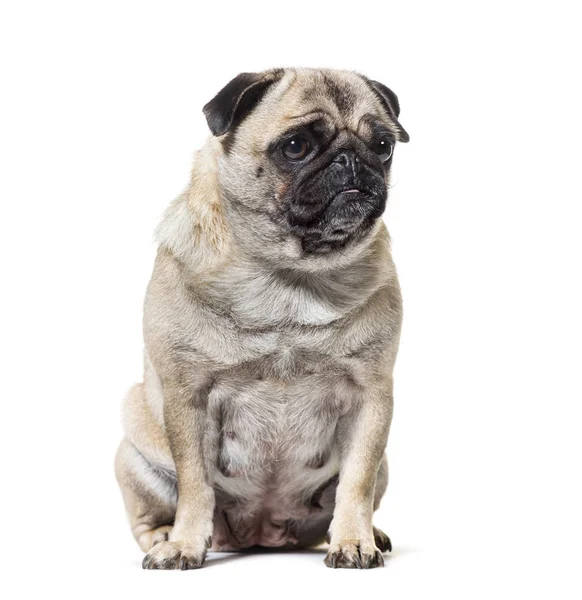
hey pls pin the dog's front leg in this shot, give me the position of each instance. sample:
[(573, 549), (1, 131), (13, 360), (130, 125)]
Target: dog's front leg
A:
[(185, 416), (362, 436)]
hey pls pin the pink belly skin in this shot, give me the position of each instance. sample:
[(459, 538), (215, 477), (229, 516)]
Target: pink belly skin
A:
[(275, 524)]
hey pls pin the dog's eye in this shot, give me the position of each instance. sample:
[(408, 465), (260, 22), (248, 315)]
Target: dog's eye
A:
[(296, 148), (384, 150)]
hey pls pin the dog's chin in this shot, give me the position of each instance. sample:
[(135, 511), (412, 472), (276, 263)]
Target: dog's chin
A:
[(350, 216)]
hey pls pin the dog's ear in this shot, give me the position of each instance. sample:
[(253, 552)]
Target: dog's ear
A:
[(390, 103), (237, 98)]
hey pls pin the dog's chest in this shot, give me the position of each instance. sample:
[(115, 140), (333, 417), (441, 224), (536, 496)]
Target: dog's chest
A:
[(276, 420)]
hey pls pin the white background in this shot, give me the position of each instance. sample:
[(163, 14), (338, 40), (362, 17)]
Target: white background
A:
[(100, 115)]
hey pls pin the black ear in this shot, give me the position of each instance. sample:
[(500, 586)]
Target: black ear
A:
[(236, 99), (390, 102)]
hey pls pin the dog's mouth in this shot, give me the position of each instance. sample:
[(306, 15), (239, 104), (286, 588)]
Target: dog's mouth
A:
[(351, 191), (353, 201)]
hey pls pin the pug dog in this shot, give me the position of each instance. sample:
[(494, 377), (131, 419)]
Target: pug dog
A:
[(271, 327)]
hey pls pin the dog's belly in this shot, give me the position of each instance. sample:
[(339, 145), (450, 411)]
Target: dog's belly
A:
[(277, 456)]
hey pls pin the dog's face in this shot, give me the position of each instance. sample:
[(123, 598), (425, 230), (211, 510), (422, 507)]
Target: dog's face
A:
[(305, 161)]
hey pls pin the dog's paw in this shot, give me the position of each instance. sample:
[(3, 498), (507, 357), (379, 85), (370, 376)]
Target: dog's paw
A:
[(174, 555), (354, 554), (382, 541), (148, 539)]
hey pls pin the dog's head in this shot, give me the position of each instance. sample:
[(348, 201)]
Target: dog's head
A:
[(305, 160)]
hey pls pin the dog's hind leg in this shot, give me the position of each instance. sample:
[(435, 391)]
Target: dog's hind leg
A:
[(150, 496)]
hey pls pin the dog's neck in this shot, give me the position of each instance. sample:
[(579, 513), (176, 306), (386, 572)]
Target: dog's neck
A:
[(259, 294), (194, 226)]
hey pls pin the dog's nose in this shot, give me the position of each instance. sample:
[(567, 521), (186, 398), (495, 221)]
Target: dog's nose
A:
[(348, 159)]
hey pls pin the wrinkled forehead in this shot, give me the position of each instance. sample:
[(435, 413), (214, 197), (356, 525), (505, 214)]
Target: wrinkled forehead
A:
[(345, 96), (342, 98)]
